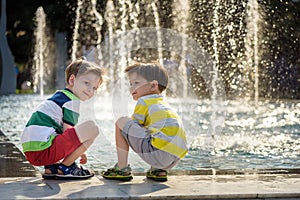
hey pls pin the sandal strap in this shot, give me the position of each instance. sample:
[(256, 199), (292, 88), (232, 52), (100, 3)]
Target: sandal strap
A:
[(52, 168), (126, 171), (157, 172), (112, 172), (74, 170)]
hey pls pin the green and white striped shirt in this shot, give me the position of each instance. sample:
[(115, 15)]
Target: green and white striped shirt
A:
[(47, 120)]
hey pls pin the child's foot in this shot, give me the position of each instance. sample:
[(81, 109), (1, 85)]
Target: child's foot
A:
[(157, 174), (116, 173), (73, 172), (50, 171)]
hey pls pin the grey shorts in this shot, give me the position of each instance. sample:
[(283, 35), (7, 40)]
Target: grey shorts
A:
[(139, 139)]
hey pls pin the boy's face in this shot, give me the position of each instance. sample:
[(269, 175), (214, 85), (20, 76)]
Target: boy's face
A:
[(84, 86), (139, 86)]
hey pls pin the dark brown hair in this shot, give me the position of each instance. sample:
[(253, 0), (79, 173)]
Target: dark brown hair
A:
[(150, 71)]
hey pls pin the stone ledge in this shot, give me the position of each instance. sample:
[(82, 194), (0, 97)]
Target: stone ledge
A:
[(12, 161)]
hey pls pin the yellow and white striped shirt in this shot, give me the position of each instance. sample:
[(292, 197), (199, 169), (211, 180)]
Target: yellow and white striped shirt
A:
[(163, 123)]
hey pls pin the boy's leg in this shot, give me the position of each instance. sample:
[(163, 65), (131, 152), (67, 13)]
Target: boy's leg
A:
[(86, 132), (73, 142), (70, 159), (139, 139), (121, 171), (122, 148)]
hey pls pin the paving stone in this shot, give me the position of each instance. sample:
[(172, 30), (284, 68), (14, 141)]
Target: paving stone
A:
[(12, 161)]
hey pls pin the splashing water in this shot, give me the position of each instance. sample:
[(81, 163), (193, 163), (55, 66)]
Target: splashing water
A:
[(266, 136)]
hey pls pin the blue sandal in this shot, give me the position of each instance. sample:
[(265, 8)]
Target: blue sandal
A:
[(53, 169), (73, 172)]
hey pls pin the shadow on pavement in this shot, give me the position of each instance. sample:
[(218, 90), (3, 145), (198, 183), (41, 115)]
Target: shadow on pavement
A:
[(119, 189), (32, 188)]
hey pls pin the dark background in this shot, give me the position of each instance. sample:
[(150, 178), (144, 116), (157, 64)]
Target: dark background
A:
[(279, 65)]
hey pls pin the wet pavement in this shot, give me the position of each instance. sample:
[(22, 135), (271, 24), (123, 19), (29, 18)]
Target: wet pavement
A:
[(20, 180)]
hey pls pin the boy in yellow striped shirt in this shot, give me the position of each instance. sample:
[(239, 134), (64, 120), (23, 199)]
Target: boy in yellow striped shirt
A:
[(155, 131)]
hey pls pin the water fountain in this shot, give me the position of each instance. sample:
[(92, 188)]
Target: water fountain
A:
[(228, 125), (44, 58), (208, 135), (181, 22), (39, 51), (253, 21)]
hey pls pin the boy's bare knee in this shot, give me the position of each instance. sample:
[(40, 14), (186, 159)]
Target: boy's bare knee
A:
[(88, 127), (89, 123), (96, 131), (93, 128)]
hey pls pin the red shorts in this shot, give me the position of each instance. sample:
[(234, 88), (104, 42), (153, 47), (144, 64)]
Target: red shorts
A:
[(63, 145)]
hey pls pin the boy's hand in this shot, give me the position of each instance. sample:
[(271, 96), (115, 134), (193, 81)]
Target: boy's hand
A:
[(122, 121), (83, 159)]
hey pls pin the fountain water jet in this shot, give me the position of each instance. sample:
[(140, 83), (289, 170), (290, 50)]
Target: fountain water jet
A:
[(110, 18), (157, 25), (44, 59), (252, 45), (76, 29), (40, 47), (181, 18)]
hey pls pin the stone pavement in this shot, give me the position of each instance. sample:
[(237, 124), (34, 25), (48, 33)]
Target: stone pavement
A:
[(19, 180), (12, 160), (263, 186)]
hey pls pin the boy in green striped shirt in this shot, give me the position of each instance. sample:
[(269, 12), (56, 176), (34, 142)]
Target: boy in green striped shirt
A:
[(155, 131), (51, 137)]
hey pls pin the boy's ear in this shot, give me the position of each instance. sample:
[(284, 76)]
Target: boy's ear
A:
[(154, 85), (71, 80)]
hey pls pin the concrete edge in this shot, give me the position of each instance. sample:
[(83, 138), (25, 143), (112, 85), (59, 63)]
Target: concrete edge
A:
[(248, 171)]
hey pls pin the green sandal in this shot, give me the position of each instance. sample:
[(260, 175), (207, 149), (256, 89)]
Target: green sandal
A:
[(156, 174), (116, 173)]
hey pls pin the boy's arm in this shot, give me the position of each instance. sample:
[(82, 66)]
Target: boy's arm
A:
[(70, 111), (138, 115), (140, 112)]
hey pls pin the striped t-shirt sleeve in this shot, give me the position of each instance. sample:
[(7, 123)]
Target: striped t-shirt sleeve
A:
[(71, 112), (140, 112)]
